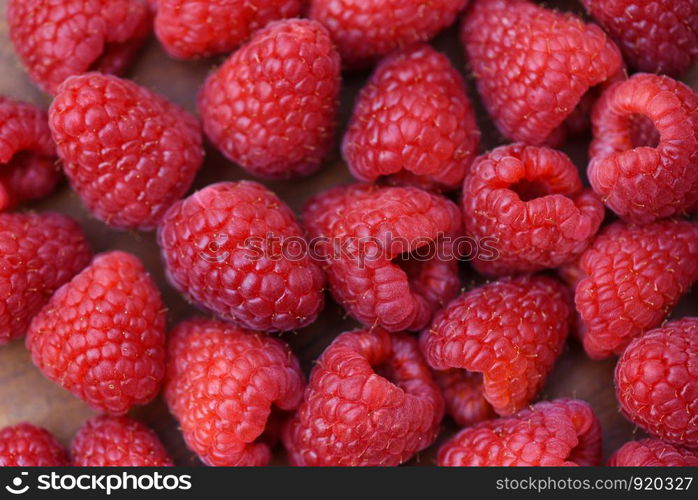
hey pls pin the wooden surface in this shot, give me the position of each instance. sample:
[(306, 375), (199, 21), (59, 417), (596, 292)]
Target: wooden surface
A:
[(25, 395)]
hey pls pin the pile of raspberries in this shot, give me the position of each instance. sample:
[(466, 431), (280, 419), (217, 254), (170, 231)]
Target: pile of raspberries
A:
[(604, 261)]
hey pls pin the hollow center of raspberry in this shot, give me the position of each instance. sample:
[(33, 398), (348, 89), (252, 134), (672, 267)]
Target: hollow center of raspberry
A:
[(643, 132), (530, 190)]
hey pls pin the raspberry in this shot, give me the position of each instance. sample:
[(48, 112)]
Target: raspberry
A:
[(27, 154), (550, 433), (371, 401), (644, 154), (201, 28), (366, 30), (511, 330), (652, 453), (128, 152), (657, 36), (38, 254), (393, 268), (26, 445), (413, 115), (531, 200), (272, 106), (221, 384), (107, 441), (533, 65), (632, 276), (462, 392), (657, 382), (102, 335), (236, 249), (60, 38)]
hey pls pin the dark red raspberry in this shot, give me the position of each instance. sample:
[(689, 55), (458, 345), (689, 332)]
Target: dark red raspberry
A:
[(387, 252), (631, 278), (272, 106), (550, 433), (237, 250), (413, 115), (463, 395), (221, 384), (366, 30), (371, 401), (38, 254), (28, 167), (102, 335), (511, 330), (107, 441), (644, 155), (653, 453), (128, 152), (657, 36), (59, 38), (657, 382), (201, 28), (531, 202), (534, 65), (26, 445)]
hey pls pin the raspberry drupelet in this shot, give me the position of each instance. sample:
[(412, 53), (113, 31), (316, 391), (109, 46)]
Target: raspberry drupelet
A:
[(26, 445), (653, 453), (465, 400)]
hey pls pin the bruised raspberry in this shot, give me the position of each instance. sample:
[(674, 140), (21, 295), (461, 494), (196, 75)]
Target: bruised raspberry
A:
[(26, 445)]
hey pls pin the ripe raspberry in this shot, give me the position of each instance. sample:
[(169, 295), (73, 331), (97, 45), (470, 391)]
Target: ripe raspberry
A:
[(371, 401), (550, 433), (236, 249), (26, 445), (107, 441), (38, 254), (652, 453), (657, 382), (387, 258), (657, 36), (462, 392), (272, 106), (532, 201), (414, 115), (511, 330), (201, 28), (58, 38), (221, 384), (534, 65), (27, 154), (366, 30), (128, 152), (644, 155), (632, 276), (102, 335)]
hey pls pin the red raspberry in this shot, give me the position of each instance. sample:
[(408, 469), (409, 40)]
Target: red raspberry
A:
[(26, 445), (38, 254), (59, 38), (657, 36), (550, 433), (128, 152), (272, 106), (632, 276), (512, 331), (366, 30), (657, 382), (27, 154), (221, 384), (201, 28), (414, 115), (371, 401), (653, 453), (462, 392), (532, 201), (102, 335), (370, 232), (237, 250), (644, 155), (107, 441), (534, 65)]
